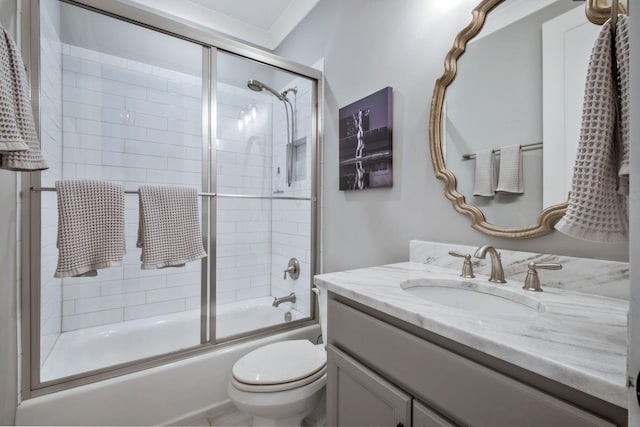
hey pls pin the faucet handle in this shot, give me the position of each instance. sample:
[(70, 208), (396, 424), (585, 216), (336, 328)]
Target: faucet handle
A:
[(532, 281), (293, 268), (467, 267)]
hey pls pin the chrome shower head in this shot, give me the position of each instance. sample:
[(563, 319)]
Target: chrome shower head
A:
[(258, 86)]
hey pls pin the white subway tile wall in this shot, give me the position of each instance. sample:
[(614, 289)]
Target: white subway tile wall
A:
[(243, 226), (134, 123), (256, 238), (291, 220), (51, 137)]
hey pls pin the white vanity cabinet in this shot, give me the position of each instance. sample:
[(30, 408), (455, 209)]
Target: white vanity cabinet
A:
[(382, 372)]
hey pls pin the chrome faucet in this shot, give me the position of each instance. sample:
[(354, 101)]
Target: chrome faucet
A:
[(497, 273), (289, 298)]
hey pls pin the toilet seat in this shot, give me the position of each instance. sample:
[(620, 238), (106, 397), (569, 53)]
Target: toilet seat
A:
[(270, 388), (280, 366)]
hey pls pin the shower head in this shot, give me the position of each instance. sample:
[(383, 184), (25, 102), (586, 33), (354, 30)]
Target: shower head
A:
[(255, 85), (258, 86)]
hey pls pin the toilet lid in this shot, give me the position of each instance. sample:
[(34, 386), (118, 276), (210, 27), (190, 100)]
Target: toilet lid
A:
[(280, 362), (319, 379)]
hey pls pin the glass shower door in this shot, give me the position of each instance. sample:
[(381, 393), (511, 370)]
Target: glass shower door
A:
[(121, 103), (264, 122)]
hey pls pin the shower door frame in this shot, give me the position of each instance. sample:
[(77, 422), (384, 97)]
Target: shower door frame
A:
[(30, 217)]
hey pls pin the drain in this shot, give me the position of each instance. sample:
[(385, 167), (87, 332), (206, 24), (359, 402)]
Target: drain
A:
[(287, 316)]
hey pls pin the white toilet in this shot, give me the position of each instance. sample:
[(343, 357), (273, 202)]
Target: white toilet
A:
[(282, 383)]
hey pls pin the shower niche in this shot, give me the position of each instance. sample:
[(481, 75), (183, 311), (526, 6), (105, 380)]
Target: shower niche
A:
[(299, 159), (147, 107)]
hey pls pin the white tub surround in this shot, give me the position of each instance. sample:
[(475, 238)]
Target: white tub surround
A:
[(580, 340)]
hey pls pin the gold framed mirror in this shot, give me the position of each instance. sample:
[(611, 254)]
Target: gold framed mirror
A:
[(532, 222)]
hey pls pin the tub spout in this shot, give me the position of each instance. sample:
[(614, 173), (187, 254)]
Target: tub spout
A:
[(289, 298)]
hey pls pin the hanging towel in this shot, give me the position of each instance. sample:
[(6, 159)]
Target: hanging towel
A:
[(597, 211), (90, 226), (510, 179), (169, 228), (19, 145), (485, 175), (622, 60)]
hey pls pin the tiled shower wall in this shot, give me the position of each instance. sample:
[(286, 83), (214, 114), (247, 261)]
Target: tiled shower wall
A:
[(243, 229), (292, 219), (51, 137), (135, 123)]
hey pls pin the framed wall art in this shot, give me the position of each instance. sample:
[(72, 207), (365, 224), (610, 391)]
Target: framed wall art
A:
[(365, 130)]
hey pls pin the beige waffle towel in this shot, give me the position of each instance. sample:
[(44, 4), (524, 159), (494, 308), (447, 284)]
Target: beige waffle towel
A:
[(485, 175), (90, 226), (622, 59), (19, 145), (597, 211), (510, 179), (169, 229)]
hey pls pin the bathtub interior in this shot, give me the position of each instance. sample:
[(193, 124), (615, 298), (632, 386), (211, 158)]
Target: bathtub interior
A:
[(90, 349), (129, 109)]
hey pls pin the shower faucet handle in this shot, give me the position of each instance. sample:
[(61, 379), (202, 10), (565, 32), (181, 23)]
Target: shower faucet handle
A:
[(293, 269)]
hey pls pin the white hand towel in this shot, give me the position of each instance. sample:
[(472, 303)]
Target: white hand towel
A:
[(90, 226), (169, 229), (485, 175), (19, 144), (511, 178), (597, 211)]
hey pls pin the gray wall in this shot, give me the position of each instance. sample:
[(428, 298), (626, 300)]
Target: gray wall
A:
[(8, 327), (367, 45)]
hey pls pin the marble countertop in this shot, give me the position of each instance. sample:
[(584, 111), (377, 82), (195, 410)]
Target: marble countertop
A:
[(579, 340)]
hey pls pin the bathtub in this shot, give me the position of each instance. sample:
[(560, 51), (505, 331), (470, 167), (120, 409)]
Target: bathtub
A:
[(107, 345), (168, 394)]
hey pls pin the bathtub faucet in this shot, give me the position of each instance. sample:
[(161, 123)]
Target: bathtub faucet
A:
[(289, 298)]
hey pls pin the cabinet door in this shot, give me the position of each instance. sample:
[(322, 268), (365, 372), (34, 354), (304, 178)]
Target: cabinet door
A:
[(425, 417), (356, 396)]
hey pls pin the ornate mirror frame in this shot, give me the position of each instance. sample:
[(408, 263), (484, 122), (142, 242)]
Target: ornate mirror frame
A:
[(548, 217), (598, 11)]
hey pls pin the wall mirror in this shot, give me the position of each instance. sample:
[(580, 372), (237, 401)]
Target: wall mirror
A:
[(515, 76)]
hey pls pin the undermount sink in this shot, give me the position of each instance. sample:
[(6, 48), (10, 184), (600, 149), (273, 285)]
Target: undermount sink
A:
[(473, 296)]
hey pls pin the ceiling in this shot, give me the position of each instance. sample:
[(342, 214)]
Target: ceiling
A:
[(264, 23)]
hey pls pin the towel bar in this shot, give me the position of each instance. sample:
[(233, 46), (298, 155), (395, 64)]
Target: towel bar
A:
[(526, 147), (218, 195)]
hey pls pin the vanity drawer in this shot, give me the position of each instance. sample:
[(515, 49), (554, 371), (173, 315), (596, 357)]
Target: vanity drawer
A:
[(463, 390)]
